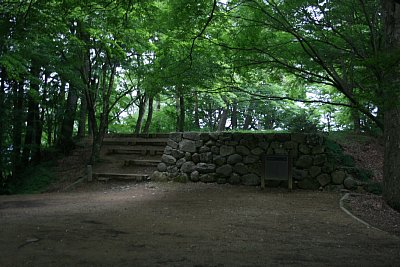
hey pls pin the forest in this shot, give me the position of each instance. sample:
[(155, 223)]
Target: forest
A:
[(74, 69)]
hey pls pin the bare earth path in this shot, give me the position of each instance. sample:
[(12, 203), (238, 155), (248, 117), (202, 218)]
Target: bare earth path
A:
[(169, 224)]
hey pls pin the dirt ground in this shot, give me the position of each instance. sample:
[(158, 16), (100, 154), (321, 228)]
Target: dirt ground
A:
[(194, 224)]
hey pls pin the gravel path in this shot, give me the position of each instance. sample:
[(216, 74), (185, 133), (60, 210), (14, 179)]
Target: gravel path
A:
[(170, 224)]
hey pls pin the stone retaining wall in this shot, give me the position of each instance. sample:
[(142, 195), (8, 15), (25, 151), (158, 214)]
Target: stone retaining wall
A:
[(236, 158)]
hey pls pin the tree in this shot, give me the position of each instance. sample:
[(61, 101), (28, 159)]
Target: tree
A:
[(391, 22)]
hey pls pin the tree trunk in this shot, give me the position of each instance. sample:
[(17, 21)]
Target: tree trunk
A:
[(181, 113), (33, 117), (3, 123), (196, 111), (234, 118), (18, 115), (66, 143), (158, 109), (142, 111), (391, 188), (222, 120), (82, 117), (149, 115)]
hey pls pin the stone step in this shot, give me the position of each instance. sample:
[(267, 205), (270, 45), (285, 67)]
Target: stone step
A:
[(149, 150), (121, 176), (135, 141), (142, 162)]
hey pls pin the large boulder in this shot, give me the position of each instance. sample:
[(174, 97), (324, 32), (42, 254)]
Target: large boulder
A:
[(234, 158), (162, 167), (226, 150), (159, 176), (187, 146), (324, 179), (168, 159), (304, 162), (188, 167), (205, 167), (338, 177), (224, 170)]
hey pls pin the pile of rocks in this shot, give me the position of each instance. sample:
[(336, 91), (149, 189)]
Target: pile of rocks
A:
[(236, 158)]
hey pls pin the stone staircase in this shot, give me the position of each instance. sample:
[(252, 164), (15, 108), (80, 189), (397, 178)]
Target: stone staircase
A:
[(129, 157)]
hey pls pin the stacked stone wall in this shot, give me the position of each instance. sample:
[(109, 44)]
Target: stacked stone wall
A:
[(236, 158)]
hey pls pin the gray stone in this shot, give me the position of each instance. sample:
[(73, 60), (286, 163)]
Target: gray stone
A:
[(290, 145), (280, 151), (314, 139), (350, 183), (204, 149), (219, 160), (226, 150), (177, 153), (191, 136), (205, 136), (324, 179), (208, 178), (240, 168), (304, 162), (221, 180), (299, 138), (299, 174), (196, 158), (264, 145), (168, 159), (251, 159), (215, 150), (162, 167), (199, 143), (172, 169), (224, 136), (214, 136), (234, 179), (205, 167), (234, 158), (180, 162), (319, 160), (275, 145), (304, 149), (315, 171), (195, 176), (188, 156), (224, 170), (257, 151), (318, 150), (177, 137), (250, 179), (159, 176), (242, 150), (328, 167), (168, 150), (206, 157), (187, 146), (309, 184), (338, 177), (256, 168), (210, 143), (188, 167), (231, 143), (172, 144)]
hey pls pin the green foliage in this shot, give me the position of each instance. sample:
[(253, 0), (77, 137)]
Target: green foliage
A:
[(33, 180), (335, 152)]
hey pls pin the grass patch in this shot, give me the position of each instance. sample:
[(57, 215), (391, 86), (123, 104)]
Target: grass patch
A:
[(33, 180)]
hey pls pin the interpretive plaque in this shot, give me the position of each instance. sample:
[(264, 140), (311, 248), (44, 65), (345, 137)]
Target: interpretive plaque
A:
[(278, 168)]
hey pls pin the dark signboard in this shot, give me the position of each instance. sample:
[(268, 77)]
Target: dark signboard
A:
[(277, 167)]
